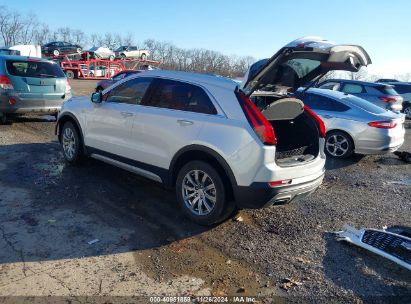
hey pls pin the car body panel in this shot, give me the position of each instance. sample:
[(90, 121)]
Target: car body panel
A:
[(32, 93), (62, 47), (367, 139), (300, 62), (372, 92), (228, 133)]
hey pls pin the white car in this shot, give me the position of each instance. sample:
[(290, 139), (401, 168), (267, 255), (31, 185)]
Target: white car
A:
[(131, 52), (203, 136), (102, 53)]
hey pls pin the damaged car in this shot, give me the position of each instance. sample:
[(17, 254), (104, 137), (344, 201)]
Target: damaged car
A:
[(204, 137)]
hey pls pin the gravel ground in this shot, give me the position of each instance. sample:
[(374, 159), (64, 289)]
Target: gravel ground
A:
[(50, 211)]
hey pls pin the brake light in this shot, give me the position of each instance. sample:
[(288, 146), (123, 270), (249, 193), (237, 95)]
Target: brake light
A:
[(258, 122), (5, 83), (388, 99), (12, 101), (321, 125), (68, 86), (280, 183), (385, 124)]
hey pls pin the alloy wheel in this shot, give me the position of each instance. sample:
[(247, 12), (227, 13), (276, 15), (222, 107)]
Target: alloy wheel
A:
[(69, 143), (407, 112), (337, 145), (199, 192)]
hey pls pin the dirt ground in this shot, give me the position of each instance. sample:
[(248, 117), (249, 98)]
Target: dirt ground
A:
[(49, 212)]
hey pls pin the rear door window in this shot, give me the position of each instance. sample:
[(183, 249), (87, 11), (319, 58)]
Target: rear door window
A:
[(317, 102), (352, 88), (334, 86), (181, 96), (40, 69), (131, 92)]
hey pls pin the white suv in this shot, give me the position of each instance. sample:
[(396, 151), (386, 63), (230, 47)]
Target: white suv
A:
[(204, 136)]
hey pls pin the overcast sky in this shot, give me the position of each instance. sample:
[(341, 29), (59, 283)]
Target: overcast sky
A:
[(257, 28)]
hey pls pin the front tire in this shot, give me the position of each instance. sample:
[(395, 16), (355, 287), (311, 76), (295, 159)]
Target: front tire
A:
[(339, 144), (71, 143), (56, 53), (201, 193)]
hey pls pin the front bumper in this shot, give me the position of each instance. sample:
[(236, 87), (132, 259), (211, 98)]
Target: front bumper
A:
[(259, 195)]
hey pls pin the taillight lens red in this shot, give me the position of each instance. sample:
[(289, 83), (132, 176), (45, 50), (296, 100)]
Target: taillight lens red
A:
[(5, 83), (388, 99), (258, 122), (321, 125), (385, 124), (280, 183)]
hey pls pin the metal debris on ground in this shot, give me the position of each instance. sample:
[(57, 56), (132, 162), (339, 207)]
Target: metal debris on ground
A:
[(93, 241), (291, 282), (393, 246), (239, 219)]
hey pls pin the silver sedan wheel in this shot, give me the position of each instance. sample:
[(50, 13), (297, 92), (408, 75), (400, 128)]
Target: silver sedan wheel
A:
[(337, 145), (407, 112), (69, 143), (199, 192)]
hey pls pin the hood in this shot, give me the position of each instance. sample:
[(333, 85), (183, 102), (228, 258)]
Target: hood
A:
[(300, 62)]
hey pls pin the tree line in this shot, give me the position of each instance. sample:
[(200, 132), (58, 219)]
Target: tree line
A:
[(16, 28)]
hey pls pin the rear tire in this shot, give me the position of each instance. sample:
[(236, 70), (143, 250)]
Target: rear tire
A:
[(338, 144), (70, 74), (71, 143), (407, 111), (201, 193)]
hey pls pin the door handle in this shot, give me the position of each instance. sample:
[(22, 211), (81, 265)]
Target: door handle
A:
[(126, 114), (184, 123)]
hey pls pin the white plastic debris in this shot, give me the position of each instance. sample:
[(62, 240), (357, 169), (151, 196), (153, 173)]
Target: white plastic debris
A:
[(93, 241), (392, 246)]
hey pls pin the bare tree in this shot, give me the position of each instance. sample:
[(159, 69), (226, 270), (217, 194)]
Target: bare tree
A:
[(362, 74)]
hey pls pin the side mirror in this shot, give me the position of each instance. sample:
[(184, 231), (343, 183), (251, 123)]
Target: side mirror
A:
[(96, 97)]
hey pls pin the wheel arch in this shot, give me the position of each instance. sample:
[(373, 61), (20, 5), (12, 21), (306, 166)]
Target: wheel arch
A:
[(343, 131), (69, 117), (198, 152)]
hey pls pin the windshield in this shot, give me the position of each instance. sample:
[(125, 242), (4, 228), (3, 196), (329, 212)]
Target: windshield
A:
[(120, 48), (42, 69), (364, 104)]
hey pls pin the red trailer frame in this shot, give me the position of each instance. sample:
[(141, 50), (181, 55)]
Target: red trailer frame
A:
[(102, 69)]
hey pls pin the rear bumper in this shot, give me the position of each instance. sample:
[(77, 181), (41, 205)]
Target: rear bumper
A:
[(386, 143), (259, 195), (22, 106)]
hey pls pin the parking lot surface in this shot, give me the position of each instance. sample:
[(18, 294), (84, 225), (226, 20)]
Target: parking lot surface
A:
[(142, 245)]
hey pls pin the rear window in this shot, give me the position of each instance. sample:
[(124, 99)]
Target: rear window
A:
[(402, 89), (42, 69), (364, 104), (388, 90), (302, 66)]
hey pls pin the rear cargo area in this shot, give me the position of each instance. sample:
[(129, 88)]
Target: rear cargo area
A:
[(296, 131)]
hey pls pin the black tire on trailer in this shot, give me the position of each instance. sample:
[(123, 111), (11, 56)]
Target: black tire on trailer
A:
[(70, 74), (79, 50), (143, 56), (123, 57), (56, 52), (111, 58)]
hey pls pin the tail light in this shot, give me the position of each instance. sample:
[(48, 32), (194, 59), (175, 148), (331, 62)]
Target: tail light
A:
[(280, 183), (68, 86), (5, 83), (384, 124), (388, 99), (321, 125), (258, 122)]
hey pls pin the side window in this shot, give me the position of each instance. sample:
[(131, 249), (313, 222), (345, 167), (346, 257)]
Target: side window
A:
[(131, 92), (119, 76), (352, 88), (330, 86), (132, 48), (317, 102), (182, 96)]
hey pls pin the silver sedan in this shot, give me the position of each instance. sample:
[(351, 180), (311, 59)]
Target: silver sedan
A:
[(355, 125)]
